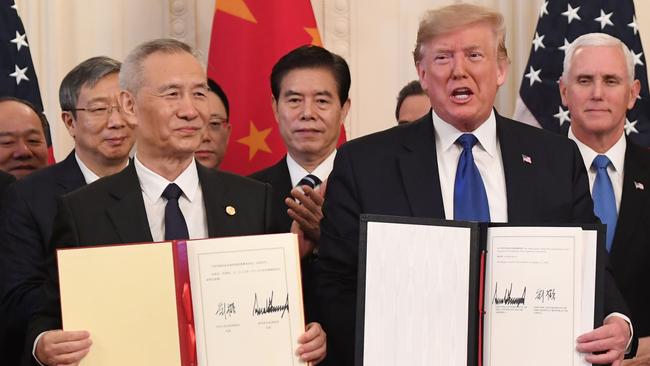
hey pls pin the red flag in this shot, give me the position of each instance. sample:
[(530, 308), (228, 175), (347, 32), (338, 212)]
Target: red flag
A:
[(248, 38)]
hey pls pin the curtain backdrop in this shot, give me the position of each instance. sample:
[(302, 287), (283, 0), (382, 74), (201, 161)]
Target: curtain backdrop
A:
[(377, 41)]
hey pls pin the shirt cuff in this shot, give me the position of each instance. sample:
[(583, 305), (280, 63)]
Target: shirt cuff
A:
[(629, 322), (34, 349)]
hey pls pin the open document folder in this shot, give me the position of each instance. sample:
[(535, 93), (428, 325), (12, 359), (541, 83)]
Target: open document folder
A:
[(435, 292), (227, 301)]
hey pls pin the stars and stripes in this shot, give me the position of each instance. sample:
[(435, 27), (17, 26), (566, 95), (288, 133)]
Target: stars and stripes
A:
[(17, 74), (559, 23)]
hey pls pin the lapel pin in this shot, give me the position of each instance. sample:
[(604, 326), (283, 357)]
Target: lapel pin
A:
[(230, 210), (526, 159), (639, 185)]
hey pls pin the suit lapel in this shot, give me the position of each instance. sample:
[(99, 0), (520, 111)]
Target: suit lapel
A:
[(71, 177), (634, 198), (283, 176), (518, 169), (418, 166), (214, 193), (128, 214)]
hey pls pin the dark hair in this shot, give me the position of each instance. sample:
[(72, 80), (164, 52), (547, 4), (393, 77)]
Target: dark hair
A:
[(215, 88), (87, 73), (312, 57), (41, 116), (412, 88)]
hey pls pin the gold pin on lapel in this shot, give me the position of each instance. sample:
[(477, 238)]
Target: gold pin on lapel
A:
[(230, 210)]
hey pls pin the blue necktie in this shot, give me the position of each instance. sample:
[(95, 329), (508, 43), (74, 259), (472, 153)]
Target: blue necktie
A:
[(604, 201), (175, 226), (470, 199)]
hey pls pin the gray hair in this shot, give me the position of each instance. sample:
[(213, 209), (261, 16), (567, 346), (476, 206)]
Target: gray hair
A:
[(87, 73), (596, 40), (131, 73)]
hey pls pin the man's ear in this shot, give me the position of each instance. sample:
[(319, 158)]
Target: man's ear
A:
[(421, 70), (563, 91), (274, 106), (69, 121), (127, 105), (502, 71), (345, 109), (635, 89)]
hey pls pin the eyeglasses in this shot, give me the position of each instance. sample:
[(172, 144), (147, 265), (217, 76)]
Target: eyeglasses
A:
[(100, 110), (217, 123)]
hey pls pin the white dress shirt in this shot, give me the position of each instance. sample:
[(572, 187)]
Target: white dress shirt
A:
[(322, 171), (616, 155), (89, 175), (487, 156), (190, 202)]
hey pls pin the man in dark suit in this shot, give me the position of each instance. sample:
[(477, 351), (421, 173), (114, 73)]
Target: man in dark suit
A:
[(88, 98), (164, 194), (516, 173), (310, 87), (598, 86)]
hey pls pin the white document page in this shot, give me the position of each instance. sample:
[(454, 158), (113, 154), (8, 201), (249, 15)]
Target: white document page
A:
[(533, 296), (416, 299), (247, 300), (589, 251)]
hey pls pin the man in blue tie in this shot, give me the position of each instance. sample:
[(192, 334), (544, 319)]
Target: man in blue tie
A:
[(598, 86), (461, 161)]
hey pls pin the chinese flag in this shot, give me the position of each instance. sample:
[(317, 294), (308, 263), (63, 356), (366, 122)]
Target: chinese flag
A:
[(248, 38)]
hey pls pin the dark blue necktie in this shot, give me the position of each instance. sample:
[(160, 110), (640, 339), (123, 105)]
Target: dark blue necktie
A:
[(604, 201), (470, 199), (309, 180), (175, 226)]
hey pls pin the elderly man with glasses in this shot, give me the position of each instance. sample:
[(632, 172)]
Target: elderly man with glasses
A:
[(88, 97)]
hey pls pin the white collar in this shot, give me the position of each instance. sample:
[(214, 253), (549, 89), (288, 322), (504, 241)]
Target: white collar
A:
[(153, 184), (322, 171), (89, 175), (486, 133), (615, 154)]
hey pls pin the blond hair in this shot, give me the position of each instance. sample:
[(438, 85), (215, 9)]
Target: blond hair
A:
[(446, 19)]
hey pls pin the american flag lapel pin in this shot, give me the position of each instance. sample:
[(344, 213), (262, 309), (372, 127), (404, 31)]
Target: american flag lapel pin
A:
[(526, 159), (639, 185)]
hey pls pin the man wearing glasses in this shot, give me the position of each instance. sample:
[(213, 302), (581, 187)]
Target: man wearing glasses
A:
[(88, 97), (216, 135)]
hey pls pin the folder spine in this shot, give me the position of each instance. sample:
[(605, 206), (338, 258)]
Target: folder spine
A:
[(187, 336)]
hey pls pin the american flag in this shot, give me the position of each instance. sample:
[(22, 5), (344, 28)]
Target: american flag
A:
[(559, 23), (17, 74)]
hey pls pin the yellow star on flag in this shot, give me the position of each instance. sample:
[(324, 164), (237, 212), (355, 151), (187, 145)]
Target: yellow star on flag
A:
[(256, 141), (236, 8), (315, 36)]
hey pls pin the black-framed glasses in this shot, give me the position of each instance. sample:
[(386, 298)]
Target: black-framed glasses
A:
[(100, 110)]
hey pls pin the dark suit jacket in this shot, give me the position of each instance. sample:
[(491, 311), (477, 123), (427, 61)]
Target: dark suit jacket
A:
[(630, 254), (112, 211), (5, 180), (28, 213), (279, 178), (395, 172)]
